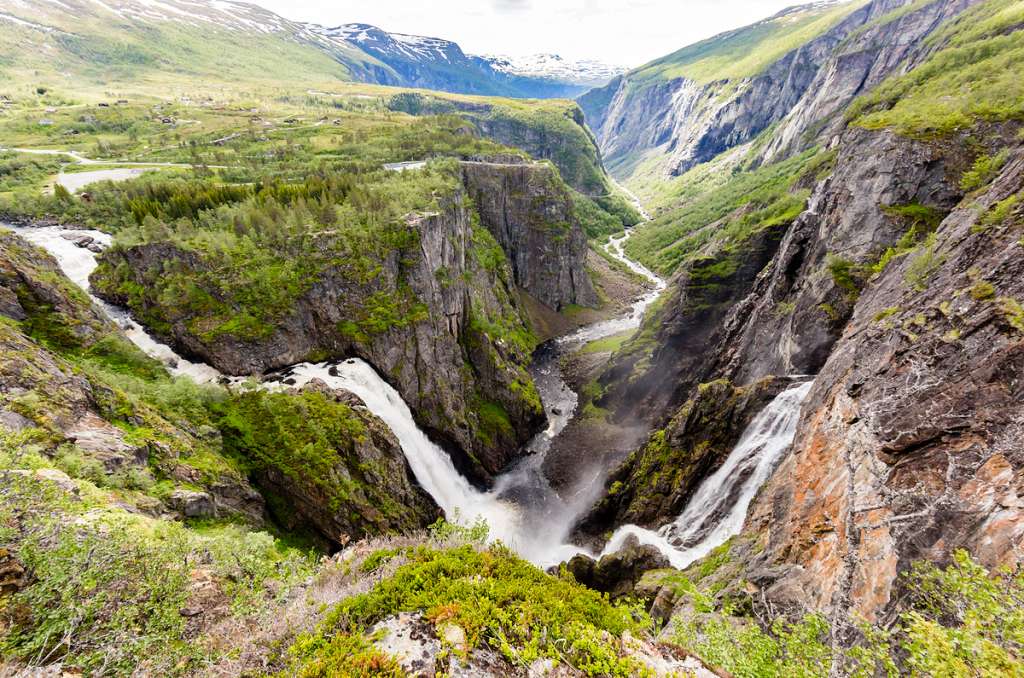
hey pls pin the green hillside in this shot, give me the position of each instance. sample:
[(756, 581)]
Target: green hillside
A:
[(749, 50)]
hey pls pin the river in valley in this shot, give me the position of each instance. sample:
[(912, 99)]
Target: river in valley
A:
[(522, 509)]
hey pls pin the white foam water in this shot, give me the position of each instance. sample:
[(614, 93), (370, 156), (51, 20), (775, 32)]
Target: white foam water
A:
[(432, 466), (78, 263), (522, 510), (717, 510)]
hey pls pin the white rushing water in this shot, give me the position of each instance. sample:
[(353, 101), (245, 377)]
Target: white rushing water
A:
[(432, 466), (522, 510), (78, 263), (717, 510)]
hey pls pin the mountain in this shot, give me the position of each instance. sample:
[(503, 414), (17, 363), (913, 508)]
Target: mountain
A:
[(784, 431), (837, 194), (588, 73), (147, 40), (434, 63)]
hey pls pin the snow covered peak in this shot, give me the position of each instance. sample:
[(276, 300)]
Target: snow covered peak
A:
[(394, 45), (555, 67)]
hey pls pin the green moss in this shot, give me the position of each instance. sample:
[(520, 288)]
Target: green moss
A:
[(970, 78), (304, 436), (1013, 311), (108, 586), (608, 344), (493, 422), (983, 171), (983, 290), (924, 264), (500, 601)]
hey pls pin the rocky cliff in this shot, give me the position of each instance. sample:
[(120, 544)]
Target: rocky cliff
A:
[(682, 122), (909, 444), (554, 131), (527, 209), (55, 395), (896, 281), (74, 387), (439, 317)]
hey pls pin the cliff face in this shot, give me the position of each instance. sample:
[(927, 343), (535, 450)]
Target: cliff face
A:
[(898, 286), (459, 350), (546, 133), (805, 91), (529, 213), (909, 445)]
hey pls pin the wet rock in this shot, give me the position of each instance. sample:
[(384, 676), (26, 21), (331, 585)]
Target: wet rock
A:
[(690, 447), (617, 574)]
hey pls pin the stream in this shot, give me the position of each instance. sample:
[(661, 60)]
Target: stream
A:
[(522, 509)]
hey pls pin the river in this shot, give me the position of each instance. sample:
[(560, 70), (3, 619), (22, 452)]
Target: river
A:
[(522, 509)]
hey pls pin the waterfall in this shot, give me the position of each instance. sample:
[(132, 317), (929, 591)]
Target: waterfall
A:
[(78, 263), (717, 510), (432, 466)]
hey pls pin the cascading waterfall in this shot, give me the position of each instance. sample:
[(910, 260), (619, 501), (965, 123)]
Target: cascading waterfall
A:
[(78, 263), (432, 467), (522, 510), (717, 510)]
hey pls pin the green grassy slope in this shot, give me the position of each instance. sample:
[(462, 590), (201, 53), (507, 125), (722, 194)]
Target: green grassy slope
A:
[(746, 51)]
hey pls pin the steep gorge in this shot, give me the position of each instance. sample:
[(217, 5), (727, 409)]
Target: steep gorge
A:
[(899, 261)]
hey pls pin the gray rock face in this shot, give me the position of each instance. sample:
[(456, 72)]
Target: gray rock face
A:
[(859, 63), (442, 364), (532, 217), (910, 442), (192, 504), (805, 91), (733, 329)]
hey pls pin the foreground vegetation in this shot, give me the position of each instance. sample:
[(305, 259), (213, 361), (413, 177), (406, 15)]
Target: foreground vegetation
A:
[(959, 620)]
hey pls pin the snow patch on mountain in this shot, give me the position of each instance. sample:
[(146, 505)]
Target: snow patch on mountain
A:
[(555, 67)]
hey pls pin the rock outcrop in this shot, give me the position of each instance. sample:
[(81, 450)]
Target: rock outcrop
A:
[(526, 208), (364, 488), (909, 446), (559, 136), (617, 574), (461, 355)]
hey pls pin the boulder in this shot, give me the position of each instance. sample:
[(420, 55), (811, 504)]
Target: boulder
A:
[(192, 504), (617, 574)]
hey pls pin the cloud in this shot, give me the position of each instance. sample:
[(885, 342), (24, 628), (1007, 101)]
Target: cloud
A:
[(511, 5)]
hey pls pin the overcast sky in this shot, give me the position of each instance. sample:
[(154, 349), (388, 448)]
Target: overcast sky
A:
[(624, 32)]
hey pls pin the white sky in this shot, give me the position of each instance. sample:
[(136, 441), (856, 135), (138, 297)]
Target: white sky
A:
[(624, 32)]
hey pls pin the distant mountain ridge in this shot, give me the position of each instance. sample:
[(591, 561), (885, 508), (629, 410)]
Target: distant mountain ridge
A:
[(117, 41), (436, 63)]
